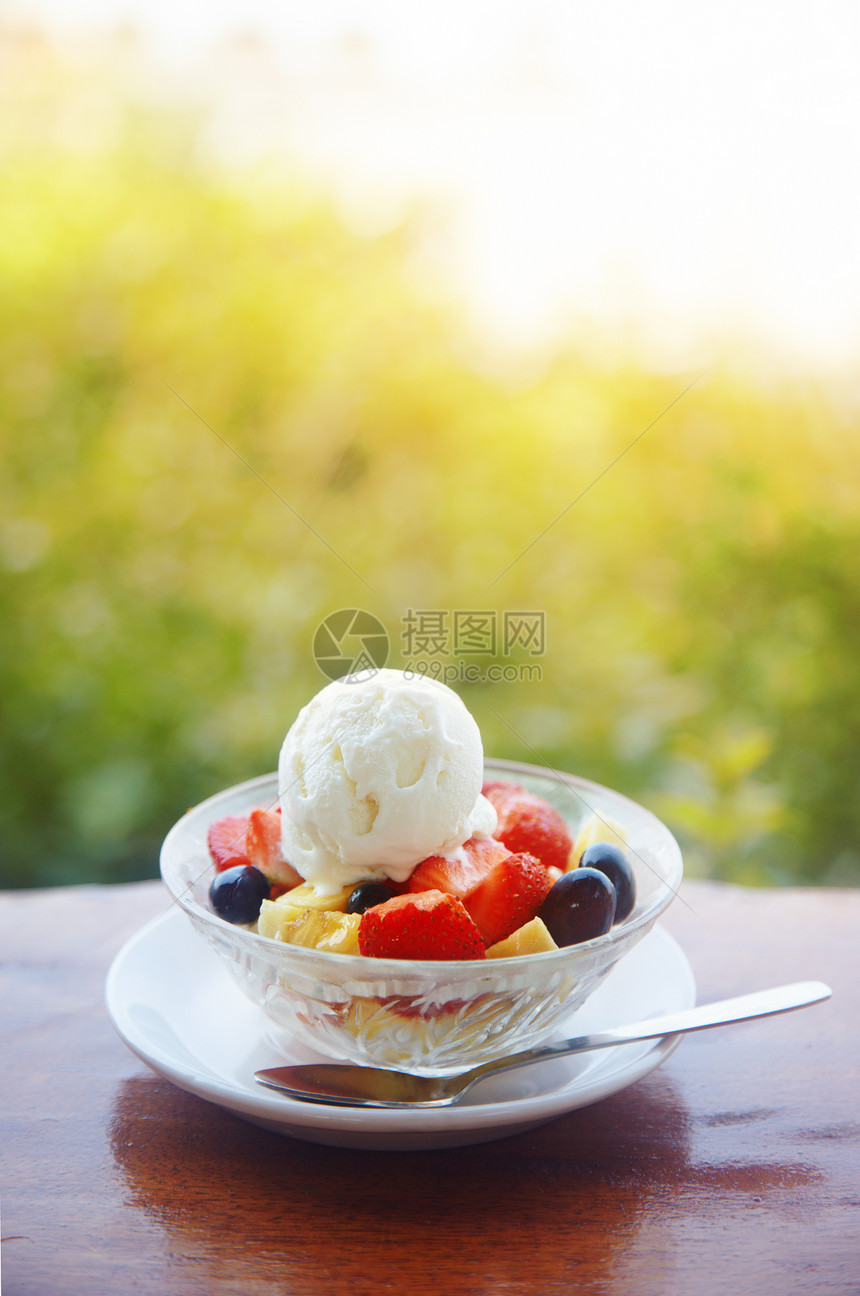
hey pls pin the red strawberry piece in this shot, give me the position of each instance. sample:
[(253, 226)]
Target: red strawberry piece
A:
[(510, 895), (429, 925), (226, 842), (459, 875), (398, 887), (528, 823), (263, 838), (498, 789), (263, 845)]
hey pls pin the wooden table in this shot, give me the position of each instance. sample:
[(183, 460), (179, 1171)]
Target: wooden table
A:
[(734, 1168)]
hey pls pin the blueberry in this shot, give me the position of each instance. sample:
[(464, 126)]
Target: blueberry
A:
[(367, 896), (579, 906), (237, 893), (612, 861)]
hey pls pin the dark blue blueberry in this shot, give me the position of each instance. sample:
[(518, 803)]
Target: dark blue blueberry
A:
[(612, 861), (237, 893), (579, 906), (367, 896)]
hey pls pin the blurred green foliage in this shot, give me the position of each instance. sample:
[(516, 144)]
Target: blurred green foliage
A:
[(224, 416)]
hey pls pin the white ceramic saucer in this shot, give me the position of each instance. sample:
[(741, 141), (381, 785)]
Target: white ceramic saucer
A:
[(172, 1001)]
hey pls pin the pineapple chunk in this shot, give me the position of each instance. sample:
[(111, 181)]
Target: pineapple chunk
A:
[(271, 916), (531, 938), (597, 828), (305, 897), (322, 929)]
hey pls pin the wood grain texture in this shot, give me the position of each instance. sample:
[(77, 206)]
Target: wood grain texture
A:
[(734, 1168)]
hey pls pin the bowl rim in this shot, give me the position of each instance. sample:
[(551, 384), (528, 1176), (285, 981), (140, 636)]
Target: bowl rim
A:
[(400, 969)]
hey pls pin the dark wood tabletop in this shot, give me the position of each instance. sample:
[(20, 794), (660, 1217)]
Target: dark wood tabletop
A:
[(735, 1167)]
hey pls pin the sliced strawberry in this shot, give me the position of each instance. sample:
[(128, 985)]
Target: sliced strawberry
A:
[(263, 845), (528, 823), (509, 896), (459, 875), (498, 789), (263, 838), (226, 842), (429, 925)]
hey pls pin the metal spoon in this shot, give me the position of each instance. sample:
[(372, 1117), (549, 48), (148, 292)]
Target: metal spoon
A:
[(343, 1085)]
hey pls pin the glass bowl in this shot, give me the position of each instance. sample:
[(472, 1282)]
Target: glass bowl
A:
[(423, 1016)]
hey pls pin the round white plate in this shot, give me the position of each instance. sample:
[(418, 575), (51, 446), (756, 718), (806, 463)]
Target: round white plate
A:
[(176, 1007)]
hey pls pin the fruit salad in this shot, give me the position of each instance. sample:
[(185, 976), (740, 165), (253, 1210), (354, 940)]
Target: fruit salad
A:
[(386, 843), (524, 889)]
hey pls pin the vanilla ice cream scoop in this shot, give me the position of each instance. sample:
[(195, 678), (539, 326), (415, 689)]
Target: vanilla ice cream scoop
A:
[(379, 771)]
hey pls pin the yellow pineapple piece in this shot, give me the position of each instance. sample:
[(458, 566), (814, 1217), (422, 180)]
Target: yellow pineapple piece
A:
[(531, 938), (305, 897), (597, 828), (271, 916), (322, 929)]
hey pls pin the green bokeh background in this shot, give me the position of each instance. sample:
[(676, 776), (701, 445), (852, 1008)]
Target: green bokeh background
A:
[(224, 416)]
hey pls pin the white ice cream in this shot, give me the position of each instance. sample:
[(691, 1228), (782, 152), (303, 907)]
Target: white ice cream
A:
[(378, 772)]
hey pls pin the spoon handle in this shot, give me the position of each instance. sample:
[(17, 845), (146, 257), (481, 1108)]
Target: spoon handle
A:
[(761, 1003)]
